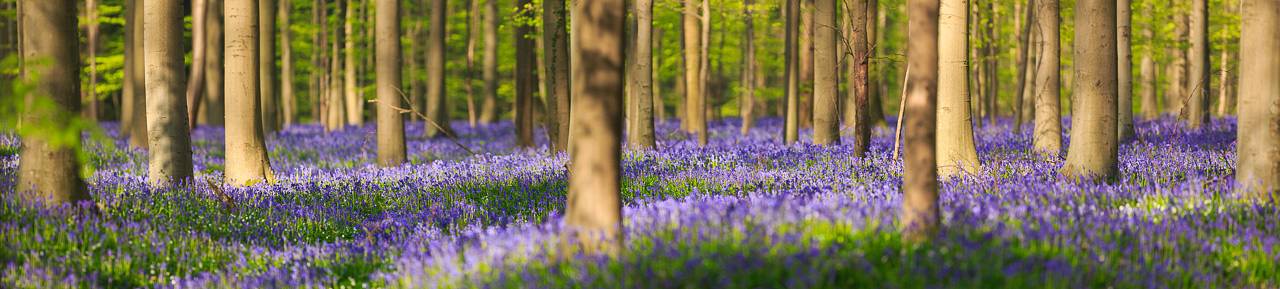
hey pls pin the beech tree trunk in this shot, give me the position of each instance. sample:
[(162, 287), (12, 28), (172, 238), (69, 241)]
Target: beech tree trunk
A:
[(134, 70), (555, 41), (526, 84), (957, 154), (1094, 142), (247, 161), (437, 104), (195, 82), (318, 84), (857, 110), (1023, 63), (391, 147), (748, 68), (594, 209), (791, 131), (267, 62), (695, 102), (641, 78), (168, 139), (1124, 61), (826, 113), (1258, 133), (1176, 72), (288, 99), (920, 217), (1226, 97), (1047, 139), (91, 41), (213, 110), (1150, 109), (875, 109), (355, 104), (473, 17), (49, 171), (1198, 84), (489, 106)]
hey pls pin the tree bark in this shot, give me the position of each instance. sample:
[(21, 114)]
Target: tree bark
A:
[(1028, 108), (355, 104), (267, 68), (91, 41), (875, 109), (437, 104), (920, 217), (49, 172), (805, 51), (213, 109), (858, 113), (134, 87), (168, 139), (1124, 61), (288, 99), (826, 117), (1198, 82), (1258, 135), (791, 130), (1047, 139), (318, 84), (526, 84), (641, 78), (695, 104), (335, 97), (991, 62), (391, 147), (957, 154), (1226, 97), (1094, 142), (594, 208), (247, 161), (1176, 72), (1023, 63), (555, 43), (748, 68), (195, 82), (469, 75), (489, 106), (1150, 110), (659, 106)]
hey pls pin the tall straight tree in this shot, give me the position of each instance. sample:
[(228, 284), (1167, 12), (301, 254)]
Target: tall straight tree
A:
[(695, 104), (195, 82), (1023, 63), (354, 103), (135, 91), (791, 130), (858, 110), (1258, 136), (920, 217), (957, 154), (826, 112), (555, 41), (49, 171), (91, 41), (1124, 61), (214, 107), (168, 139), (1198, 82), (1148, 70), (748, 67), (267, 64), (289, 102), (437, 103), (1093, 149), (641, 78), (247, 161), (594, 208), (1047, 139), (805, 51), (526, 85), (391, 148), (468, 86), (489, 64)]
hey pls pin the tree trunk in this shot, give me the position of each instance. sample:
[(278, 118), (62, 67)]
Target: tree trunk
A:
[(213, 110), (957, 154), (168, 139), (267, 60), (1198, 82), (355, 104), (526, 84), (1176, 71), (468, 75), (337, 86), (134, 87), (659, 106), (1150, 109), (920, 218), (641, 78), (791, 130), (391, 147), (195, 82), (991, 60), (555, 41), (318, 84), (594, 209), (489, 107), (695, 104), (91, 16), (826, 113), (247, 161), (748, 68), (1024, 37), (1047, 139), (287, 97), (1094, 142), (875, 109), (1226, 97), (1124, 61), (857, 110), (49, 171), (806, 63), (437, 104), (416, 92), (1028, 99), (1258, 145)]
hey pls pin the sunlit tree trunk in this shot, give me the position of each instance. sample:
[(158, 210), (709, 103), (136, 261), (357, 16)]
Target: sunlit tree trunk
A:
[(826, 117), (594, 209), (1124, 61), (391, 147), (49, 171), (920, 217), (1226, 97), (805, 50), (1176, 71), (195, 80), (91, 49), (1047, 139), (857, 113), (555, 41), (355, 104), (1093, 149), (168, 139), (288, 99), (659, 106), (1028, 113), (1258, 135), (695, 102), (748, 68), (267, 62), (526, 84), (437, 103), (318, 83), (791, 130), (489, 106), (134, 70), (473, 16), (246, 154), (1198, 81), (1150, 109), (874, 107), (1023, 62), (641, 78), (957, 154)]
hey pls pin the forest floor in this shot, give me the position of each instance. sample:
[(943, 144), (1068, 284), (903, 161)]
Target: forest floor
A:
[(744, 211)]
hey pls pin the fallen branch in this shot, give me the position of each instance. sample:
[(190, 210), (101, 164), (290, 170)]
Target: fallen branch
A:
[(447, 133), (897, 134)]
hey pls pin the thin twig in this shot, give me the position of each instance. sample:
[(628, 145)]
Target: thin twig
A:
[(449, 135), (897, 134)]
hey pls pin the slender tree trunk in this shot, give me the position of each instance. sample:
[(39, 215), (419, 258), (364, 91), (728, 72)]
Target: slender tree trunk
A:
[(791, 131), (212, 111), (555, 43), (859, 92), (1258, 136), (992, 63), (806, 63), (168, 139), (49, 171), (195, 82), (957, 154), (826, 117), (594, 209), (469, 74), (391, 147), (875, 110), (288, 99), (417, 92), (1048, 127), (748, 68), (489, 107), (1150, 109), (1024, 37), (1029, 76), (1198, 83), (134, 87), (247, 161), (336, 102), (437, 104), (695, 105), (1093, 150), (91, 16), (267, 60), (641, 78), (355, 104), (318, 84), (920, 214), (659, 106), (1124, 61), (1226, 97), (526, 84), (1176, 72)]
